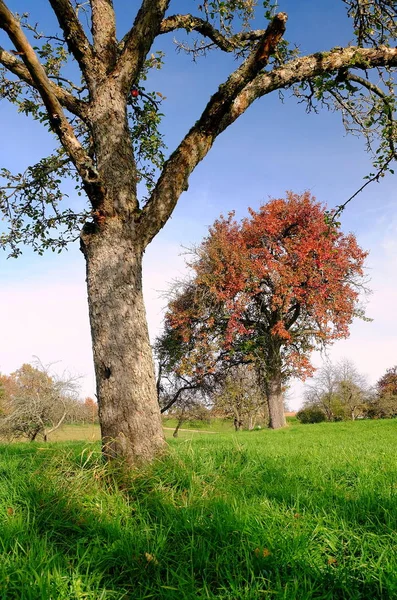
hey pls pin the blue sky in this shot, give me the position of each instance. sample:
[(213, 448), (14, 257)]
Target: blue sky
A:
[(274, 147)]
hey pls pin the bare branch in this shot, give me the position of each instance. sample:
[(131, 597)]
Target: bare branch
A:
[(194, 147), (370, 179), (104, 31), (58, 121), (15, 66), (139, 40), (205, 28), (76, 39)]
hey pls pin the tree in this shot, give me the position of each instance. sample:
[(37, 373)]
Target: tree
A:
[(189, 408), (106, 124), (340, 391), (352, 389), (37, 403), (268, 291), (383, 404), (387, 384), (321, 393), (240, 397)]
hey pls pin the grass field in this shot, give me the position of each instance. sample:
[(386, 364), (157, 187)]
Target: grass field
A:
[(91, 433), (309, 512)]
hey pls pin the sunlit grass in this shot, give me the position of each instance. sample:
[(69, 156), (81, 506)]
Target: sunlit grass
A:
[(308, 512)]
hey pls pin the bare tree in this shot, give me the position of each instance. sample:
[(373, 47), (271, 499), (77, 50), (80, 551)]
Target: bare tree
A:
[(322, 391), (190, 407), (107, 128), (38, 403), (339, 390)]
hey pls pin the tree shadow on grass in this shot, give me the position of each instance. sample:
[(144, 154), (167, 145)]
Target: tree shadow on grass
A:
[(160, 538)]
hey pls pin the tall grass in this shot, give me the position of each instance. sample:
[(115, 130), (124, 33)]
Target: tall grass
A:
[(306, 512)]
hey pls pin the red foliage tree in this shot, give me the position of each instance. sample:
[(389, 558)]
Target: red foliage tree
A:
[(387, 384), (268, 290)]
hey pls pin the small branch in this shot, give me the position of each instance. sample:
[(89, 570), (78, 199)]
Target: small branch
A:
[(190, 23), (15, 66), (393, 155), (61, 420), (58, 121), (378, 175), (75, 37), (79, 88)]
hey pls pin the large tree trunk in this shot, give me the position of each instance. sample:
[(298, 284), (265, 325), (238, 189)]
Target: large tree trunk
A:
[(129, 413), (275, 402)]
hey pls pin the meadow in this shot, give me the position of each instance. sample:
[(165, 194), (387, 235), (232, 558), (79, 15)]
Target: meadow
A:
[(302, 513)]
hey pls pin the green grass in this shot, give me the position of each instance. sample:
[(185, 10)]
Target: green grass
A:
[(91, 432), (309, 512), (214, 426)]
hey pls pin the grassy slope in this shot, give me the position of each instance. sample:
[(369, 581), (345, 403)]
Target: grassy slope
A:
[(307, 512)]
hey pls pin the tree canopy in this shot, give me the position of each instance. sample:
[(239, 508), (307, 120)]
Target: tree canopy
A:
[(268, 290)]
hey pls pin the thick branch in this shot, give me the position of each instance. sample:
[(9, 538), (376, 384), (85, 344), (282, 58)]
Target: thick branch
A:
[(15, 66), (104, 32), (194, 147), (76, 39), (304, 69), (190, 23), (175, 397), (59, 123), (139, 41)]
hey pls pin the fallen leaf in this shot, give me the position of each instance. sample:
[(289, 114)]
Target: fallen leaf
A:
[(151, 559)]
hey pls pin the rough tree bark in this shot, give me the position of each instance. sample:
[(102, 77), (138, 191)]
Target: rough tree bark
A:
[(274, 395), (126, 389)]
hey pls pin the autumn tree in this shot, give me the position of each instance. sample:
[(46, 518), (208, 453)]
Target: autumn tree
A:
[(106, 126), (387, 384), (268, 291), (383, 403), (37, 402)]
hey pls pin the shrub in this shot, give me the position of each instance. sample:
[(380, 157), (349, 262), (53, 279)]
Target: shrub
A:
[(311, 415)]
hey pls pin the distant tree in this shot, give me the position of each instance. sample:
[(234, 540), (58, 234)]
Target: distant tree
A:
[(387, 384), (189, 408), (268, 291), (106, 129), (321, 392), (91, 409), (339, 390), (352, 389), (37, 403), (383, 403), (239, 397)]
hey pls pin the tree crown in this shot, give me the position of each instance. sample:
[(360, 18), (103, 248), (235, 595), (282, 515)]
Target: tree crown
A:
[(37, 77), (284, 280)]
